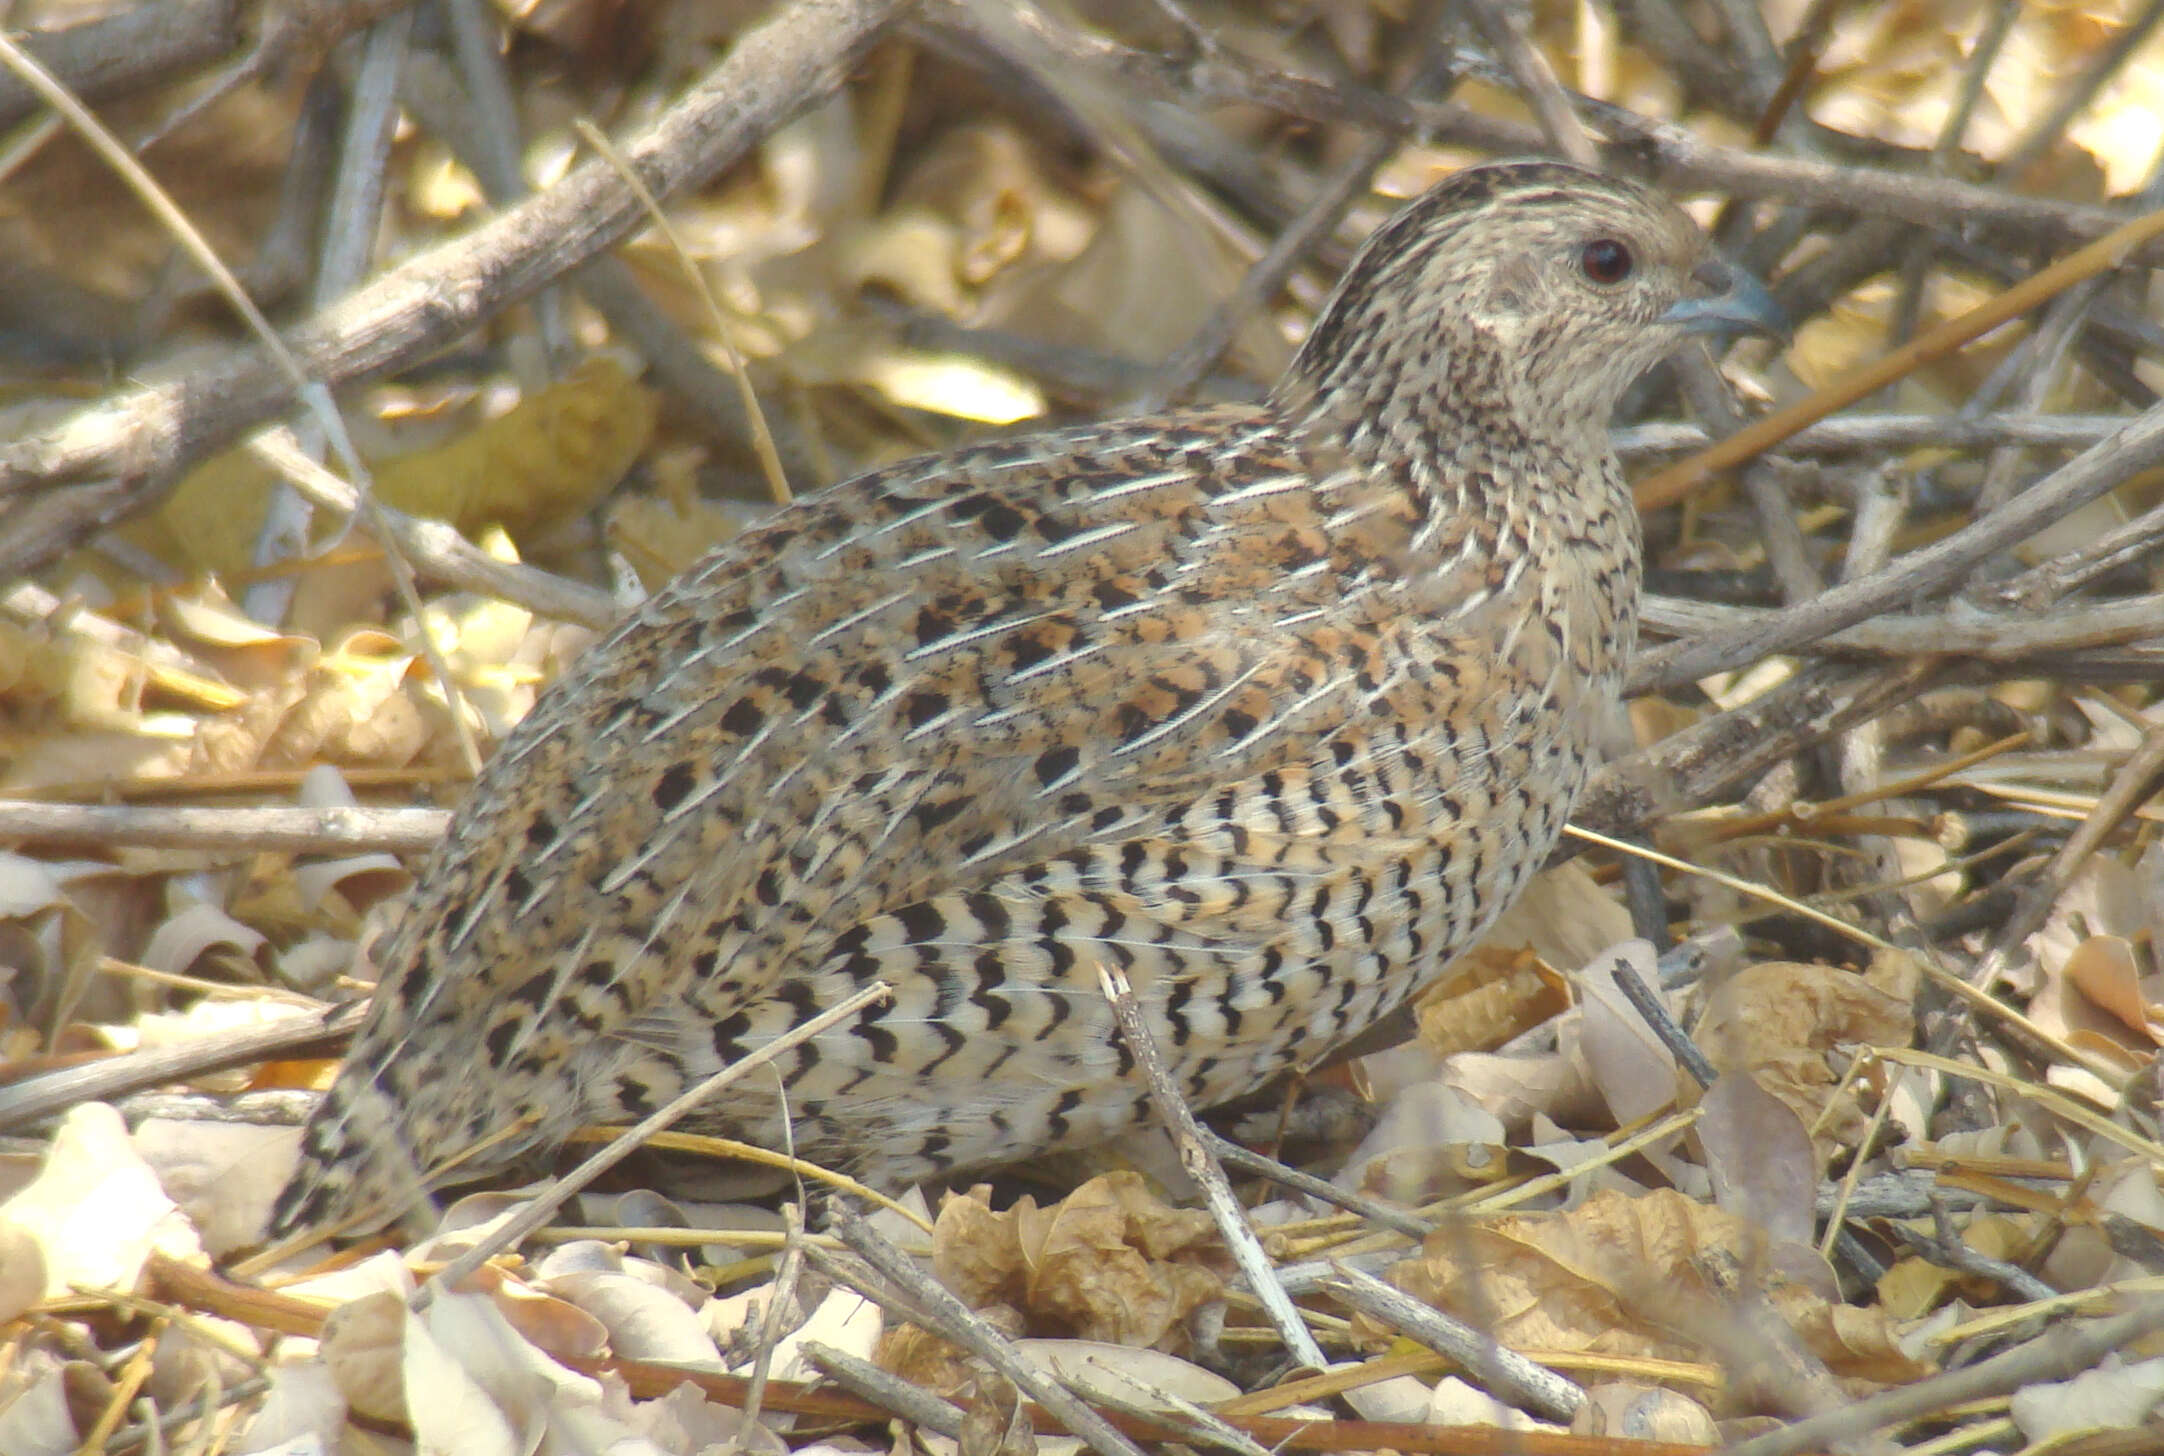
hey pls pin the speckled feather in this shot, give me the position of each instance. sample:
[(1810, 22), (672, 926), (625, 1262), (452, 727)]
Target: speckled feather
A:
[(1275, 707)]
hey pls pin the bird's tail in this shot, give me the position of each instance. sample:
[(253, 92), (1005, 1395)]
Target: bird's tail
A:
[(358, 1169)]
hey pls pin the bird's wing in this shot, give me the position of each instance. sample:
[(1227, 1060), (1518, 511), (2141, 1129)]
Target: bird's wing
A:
[(925, 677)]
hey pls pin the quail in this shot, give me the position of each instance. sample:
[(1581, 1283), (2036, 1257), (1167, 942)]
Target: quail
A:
[(1273, 706)]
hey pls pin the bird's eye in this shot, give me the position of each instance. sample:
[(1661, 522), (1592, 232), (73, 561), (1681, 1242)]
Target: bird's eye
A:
[(1606, 261)]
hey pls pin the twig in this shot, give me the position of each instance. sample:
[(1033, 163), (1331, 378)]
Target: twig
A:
[(954, 1320), (1201, 1165), (1694, 765), (890, 1392), (437, 550), (1374, 1210), (1946, 1248), (781, 1296), (194, 1288), (1654, 1013), (339, 830), (134, 446), (123, 52), (1260, 283), (544, 1204), (1503, 27), (1873, 433), (1678, 155), (1506, 1373), (2060, 1355), (762, 437), (2135, 780), (51, 1093), (350, 223), (2045, 583), (1987, 638), (2088, 475)]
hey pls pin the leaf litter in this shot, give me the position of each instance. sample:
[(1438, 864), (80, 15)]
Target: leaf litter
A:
[(902, 268)]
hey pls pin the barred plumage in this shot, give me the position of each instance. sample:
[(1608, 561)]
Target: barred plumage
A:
[(1274, 706)]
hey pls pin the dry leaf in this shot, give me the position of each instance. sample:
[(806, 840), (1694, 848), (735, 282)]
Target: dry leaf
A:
[(1782, 1022), (1630, 1064), (95, 1209), (1107, 1262), (1635, 1277), (363, 1346), (1646, 1413), (1759, 1155), (2097, 1400), (1486, 997), (1431, 1141), (548, 458)]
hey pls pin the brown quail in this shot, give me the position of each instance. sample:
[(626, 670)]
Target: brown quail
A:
[(1275, 706)]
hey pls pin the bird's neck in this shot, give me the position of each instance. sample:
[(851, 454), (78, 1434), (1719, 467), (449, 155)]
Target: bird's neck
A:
[(1474, 465)]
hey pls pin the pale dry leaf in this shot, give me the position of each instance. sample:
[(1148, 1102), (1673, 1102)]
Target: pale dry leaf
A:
[(2105, 898), (1517, 1089), (550, 457), (1431, 1141), (2106, 971), (193, 931), (925, 1360), (1546, 1143), (644, 1321), (597, 1256), (37, 1421), (1787, 1023), (2097, 1400), (1628, 1277), (663, 533), (1564, 917), (468, 1220), (200, 1352), (845, 1320), (1455, 1403), (551, 1324), (1618, 1409), (451, 1412), (205, 1019), (686, 1421), (301, 1412), (951, 384), (28, 886), (1400, 1398), (158, 750), (500, 1376), (242, 649), (22, 1270), (224, 1176), (1916, 1284), (1127, 1374), (1635, 1072), (2083, 1255), (1759, 1155), (908, 252), (363, 1346), (95, 1208)]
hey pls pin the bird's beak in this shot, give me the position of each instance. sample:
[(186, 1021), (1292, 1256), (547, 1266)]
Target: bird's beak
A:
[(1727, 300)]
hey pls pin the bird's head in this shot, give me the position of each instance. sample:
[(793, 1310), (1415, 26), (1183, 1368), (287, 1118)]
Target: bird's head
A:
[(1538, 290)]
